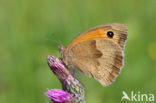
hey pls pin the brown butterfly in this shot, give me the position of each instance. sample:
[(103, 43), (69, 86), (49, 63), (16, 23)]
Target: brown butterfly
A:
[(97, 52)]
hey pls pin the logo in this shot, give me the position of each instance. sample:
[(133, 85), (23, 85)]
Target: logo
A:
[(138, 96)]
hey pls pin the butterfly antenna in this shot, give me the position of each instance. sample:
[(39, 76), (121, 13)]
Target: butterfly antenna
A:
[(57, 39), (58, 42), (53, 40)]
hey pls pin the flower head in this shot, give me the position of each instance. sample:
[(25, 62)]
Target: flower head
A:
[(75, 90), (59, 96)]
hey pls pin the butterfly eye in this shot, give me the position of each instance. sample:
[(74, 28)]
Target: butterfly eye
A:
[(110, 34)]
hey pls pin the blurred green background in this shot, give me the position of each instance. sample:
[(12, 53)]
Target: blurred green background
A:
[(25, 26)]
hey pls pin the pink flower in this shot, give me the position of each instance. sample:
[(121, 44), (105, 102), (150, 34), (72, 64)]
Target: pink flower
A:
[(73, 90), (59, 96)]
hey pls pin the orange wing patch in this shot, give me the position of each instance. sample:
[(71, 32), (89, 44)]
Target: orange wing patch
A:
[(99, 32)]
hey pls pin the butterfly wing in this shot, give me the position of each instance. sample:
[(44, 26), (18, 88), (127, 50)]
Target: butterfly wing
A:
[(119, 30), (100, 58)]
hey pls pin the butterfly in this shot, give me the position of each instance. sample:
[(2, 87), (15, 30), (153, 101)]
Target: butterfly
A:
[(97, 52)]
